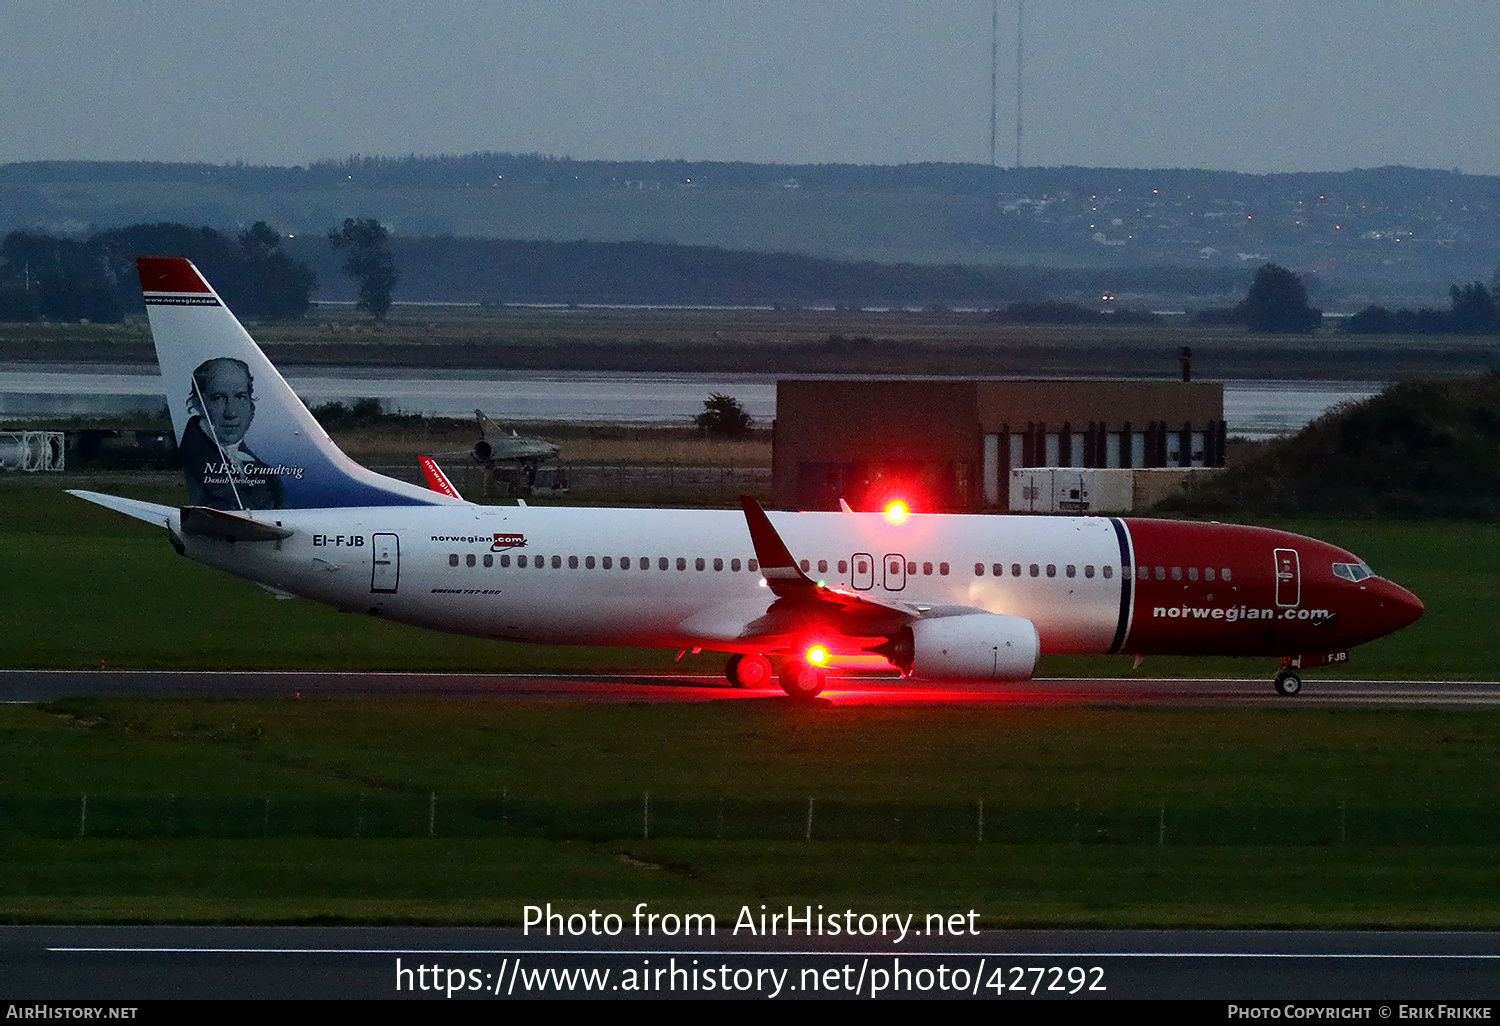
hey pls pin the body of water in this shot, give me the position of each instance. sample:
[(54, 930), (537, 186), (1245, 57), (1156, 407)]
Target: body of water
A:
[(1252, 408)]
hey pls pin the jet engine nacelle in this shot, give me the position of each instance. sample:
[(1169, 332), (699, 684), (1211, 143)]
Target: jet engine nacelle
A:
[(979, 646), (483, 451)]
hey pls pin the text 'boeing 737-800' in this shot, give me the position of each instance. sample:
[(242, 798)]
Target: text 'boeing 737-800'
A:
[(950, 597)]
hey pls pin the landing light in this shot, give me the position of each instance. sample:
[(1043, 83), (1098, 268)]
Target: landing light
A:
[(896, 512)]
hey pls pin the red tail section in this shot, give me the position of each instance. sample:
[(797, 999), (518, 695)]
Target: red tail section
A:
[(436, 479)]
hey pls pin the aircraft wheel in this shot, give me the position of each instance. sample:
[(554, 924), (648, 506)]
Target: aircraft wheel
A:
[(802, 681), (748, 671), (1288, 684)]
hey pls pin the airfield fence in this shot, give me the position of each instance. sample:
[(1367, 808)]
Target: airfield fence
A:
[(740, 819)]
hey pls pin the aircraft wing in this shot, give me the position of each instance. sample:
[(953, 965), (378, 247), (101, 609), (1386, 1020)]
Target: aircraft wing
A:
[(803, 604)]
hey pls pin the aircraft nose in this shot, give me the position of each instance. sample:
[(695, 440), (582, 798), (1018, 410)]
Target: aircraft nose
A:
[(1398, 607)]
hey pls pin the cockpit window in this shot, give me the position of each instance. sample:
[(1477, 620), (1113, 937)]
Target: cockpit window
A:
[(1352, 571)]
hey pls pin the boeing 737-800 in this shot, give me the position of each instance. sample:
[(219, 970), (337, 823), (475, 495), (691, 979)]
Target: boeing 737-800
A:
[(937, 596)]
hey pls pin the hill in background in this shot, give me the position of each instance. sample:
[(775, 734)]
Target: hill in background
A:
[(1419, 448), (1395, 236)]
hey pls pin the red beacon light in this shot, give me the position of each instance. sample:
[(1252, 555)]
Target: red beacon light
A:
[(896, 511), (816, 655)]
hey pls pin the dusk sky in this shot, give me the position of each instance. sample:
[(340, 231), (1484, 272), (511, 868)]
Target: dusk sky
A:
[(1242, 85)]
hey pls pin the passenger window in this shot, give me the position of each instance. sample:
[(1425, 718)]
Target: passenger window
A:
[(943, 569), (1177, 573), (1143, 573), (681, 563), (861, 567), (1051, 569), (1161, 573), (1036, 571), (521, 561), (843, 566), (1224, 574), (1192, 573), (1071, 571), (822, 566), (453, 559), (927, 569), (541, 562), (1088, 570), (572, 563), (1109, 572), (1208, 573), (998, 569), (911, 566), (752, 565), (609, 563), (806, 566), (978, 569), (469, 559), (1015, 569), (734, 565), (718, 563), (588, 562), (699, 564), (557, 562), (489, 560), (505, 560), (662, 563)]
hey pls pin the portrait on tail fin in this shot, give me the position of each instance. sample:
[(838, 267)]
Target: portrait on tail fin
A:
[(221, 470)]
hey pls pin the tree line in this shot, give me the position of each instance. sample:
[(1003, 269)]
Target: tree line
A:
[(95, 278), (510, 271), (1472, 311)]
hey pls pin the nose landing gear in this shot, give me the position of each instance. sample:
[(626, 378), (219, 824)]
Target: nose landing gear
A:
[(1288, 683)]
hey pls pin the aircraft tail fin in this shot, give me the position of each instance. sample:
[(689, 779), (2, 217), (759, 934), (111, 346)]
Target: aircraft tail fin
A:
[(246, 441), (436, 479)]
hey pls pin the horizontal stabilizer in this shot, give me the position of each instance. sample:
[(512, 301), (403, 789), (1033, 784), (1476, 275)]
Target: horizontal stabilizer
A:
[(150, 512), (219, 523)]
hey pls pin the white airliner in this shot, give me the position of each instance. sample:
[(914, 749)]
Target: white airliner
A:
[(947, 597)]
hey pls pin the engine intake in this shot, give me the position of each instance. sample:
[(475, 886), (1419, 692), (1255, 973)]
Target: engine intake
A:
[(977, 647)]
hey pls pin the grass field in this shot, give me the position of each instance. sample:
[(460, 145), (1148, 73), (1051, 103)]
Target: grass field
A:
[(1258, 763), (786, 343), (84, 584)]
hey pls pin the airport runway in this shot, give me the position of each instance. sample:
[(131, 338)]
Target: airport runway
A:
[(48, 685), (124, 963)]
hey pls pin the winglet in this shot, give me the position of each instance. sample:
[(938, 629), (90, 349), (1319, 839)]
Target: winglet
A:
[(844, 507), (776, 562), (436, 479)]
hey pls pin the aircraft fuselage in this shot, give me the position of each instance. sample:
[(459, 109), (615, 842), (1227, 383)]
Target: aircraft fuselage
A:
[(688, 577)]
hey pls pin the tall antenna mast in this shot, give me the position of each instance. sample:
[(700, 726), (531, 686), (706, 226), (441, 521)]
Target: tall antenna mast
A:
[(994, 66), (1020, 23)]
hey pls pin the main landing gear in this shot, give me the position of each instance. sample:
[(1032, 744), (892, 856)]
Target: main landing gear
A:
[(1288, 683), (798, 678), (801, 680), (748, 671)]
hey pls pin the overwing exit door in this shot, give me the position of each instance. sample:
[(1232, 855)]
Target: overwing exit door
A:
[(863, 571), (895, 571)]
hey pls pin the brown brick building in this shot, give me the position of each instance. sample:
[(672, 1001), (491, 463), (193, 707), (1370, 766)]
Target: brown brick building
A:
[(950, 445)]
